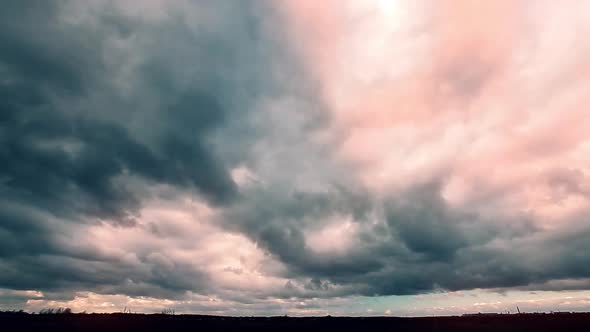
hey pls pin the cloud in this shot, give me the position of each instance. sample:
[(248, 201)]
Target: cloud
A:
[(99, 107), (290, 156)]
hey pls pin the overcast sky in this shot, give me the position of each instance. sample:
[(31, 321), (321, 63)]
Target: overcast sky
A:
[(301, 157)]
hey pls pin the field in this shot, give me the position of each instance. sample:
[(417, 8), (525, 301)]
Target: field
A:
[(159, 322)]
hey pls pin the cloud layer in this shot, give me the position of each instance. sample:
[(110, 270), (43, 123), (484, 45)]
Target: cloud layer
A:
[(262, 157)]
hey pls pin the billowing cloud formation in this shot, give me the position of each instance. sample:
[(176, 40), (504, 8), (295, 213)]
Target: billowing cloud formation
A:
[(297, 156), (101, 103)]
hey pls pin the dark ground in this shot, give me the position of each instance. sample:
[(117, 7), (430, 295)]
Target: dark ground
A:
[(156, 322)]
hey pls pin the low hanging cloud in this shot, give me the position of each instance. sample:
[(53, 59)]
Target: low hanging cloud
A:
[(101, 104), (263, 157)]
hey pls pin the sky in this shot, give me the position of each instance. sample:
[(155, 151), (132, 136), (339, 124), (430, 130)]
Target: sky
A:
[(299, 157)]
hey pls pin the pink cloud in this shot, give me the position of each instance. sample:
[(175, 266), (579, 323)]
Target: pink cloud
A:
[(490, 96)]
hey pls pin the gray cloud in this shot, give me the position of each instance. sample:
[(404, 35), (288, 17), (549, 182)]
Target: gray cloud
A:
[(96, 110), (423, 245)]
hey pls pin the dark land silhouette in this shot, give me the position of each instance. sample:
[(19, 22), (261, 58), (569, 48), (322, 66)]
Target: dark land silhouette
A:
[(22, 321)]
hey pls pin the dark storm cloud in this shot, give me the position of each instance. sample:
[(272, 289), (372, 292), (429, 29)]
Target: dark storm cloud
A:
[(55, 149), (90, 107), (424, 245), (276, 218), (70, 131)]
